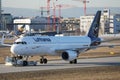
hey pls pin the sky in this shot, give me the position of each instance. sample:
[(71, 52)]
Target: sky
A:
[(36, 4)]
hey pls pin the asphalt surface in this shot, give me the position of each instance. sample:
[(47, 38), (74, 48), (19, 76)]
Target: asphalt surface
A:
[(60, 64)]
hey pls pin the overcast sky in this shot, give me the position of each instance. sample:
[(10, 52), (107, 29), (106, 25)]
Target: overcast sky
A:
[(35, 4)]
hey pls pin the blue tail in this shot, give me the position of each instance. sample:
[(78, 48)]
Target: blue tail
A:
[(94, 30)]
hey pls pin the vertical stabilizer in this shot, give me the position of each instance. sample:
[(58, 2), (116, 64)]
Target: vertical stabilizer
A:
[(94, 29), (2, 40)]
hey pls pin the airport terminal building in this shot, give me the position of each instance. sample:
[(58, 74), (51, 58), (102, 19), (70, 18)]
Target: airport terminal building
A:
[(109, 24), (34, 24)]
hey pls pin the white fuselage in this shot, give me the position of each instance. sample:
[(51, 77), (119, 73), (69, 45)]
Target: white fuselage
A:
[(48, 45)]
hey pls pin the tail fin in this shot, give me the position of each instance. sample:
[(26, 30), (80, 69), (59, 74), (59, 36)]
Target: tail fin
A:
[(94, 29), (2, 40)]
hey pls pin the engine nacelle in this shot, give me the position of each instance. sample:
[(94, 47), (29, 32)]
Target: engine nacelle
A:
[(69, 55)]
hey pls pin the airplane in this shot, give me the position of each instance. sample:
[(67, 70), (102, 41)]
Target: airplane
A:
[(68, 47)]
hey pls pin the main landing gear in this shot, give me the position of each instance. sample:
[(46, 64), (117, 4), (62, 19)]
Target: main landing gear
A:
[(73, 61), (43, 60)]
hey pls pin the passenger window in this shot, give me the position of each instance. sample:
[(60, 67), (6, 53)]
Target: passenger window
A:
[(24, 43), (20, 43)]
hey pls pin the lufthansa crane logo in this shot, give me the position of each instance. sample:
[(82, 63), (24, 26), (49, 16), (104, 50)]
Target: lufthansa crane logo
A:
[(42, 39), (95, 30)]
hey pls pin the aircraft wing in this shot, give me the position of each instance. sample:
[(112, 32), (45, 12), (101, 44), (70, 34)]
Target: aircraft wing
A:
[(110, 45), (6, 45), (2, 42), (110, 40), (110, 37), (72, 49)]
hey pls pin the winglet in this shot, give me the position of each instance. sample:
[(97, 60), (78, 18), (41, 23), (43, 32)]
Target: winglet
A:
[(94, 29), (2, 41)]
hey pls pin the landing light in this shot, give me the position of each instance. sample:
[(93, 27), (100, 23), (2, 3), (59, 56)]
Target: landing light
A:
[(112, 53)]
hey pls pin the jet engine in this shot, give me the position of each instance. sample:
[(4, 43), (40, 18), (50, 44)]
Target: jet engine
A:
[(69, 55)]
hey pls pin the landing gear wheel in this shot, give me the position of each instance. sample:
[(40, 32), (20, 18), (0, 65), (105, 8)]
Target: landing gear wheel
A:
[(44, 60), (41, 61), (25, 63), (73, 61)]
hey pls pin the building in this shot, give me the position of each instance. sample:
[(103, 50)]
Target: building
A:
[(71, 26), (6, 19), (109, 24), (116, 23), (36, 24), (70, 23), (85, 23)]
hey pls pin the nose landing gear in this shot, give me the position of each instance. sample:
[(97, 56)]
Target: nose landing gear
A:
[(43, 60), (19, 61)]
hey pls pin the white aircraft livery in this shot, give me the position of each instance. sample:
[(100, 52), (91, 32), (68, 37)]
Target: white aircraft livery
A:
[(68, 47)]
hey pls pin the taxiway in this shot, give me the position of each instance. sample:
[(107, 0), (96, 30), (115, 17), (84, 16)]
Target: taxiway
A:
[(60, 64)]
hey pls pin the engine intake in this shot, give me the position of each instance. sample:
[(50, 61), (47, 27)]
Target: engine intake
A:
[(69, 55)]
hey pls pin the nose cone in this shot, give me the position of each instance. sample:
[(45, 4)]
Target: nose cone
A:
[(13, 49), (18, 49)]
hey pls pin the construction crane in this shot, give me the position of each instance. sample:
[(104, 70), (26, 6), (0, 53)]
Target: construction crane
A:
[(48, 14), (84, 2), (48, 9), (43, 10), (60, 6), (0, 9), (54, 15)]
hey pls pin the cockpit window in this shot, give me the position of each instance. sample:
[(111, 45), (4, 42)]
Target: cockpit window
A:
[(20, 43)]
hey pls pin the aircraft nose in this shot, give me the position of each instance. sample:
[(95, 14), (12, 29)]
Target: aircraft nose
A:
[(14, 49)]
